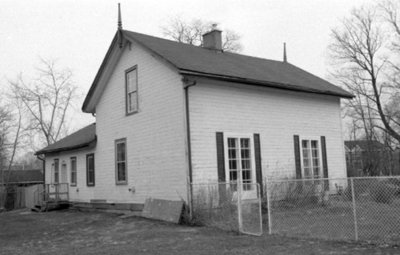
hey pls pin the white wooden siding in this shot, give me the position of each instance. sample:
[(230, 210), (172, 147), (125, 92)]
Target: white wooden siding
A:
[(155, 136), (276, 115), (81, 192)]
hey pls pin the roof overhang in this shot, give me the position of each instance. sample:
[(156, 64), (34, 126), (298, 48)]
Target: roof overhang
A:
[(115, 51), (27, 182), (103, 75), (88, 145), (262, 83)]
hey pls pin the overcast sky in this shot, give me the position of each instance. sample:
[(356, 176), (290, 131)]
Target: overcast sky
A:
[(78, 33)]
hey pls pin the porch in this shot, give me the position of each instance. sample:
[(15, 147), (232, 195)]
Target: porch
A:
[(51, 196)]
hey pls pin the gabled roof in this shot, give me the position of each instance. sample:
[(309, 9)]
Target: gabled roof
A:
[(199, 61), (23, 176), (82, 138), (364, 145)]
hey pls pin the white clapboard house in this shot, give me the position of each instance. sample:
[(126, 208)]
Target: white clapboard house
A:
[(169, 114)]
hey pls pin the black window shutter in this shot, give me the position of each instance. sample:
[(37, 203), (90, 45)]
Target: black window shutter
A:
[(257, 154), (324, 161), (221, 167), (296, 141), (220, 157), (87, 170)]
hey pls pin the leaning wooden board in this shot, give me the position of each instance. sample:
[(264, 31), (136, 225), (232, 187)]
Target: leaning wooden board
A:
[(160, 209)]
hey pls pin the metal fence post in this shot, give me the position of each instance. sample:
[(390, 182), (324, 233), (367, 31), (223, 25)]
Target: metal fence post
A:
[(354, 209), (239, 201), (268, 206), (259, 207)]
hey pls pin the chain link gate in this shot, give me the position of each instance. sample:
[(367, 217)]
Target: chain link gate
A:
[(249, 210), (228, 206)]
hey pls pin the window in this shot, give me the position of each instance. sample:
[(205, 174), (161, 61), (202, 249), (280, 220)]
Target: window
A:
[(120, 161), (240, 165), (311, 159), (73, 171), (131, 90), (56, 171), (90, 169)]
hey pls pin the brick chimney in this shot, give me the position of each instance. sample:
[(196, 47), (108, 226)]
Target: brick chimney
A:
[(213, 40)]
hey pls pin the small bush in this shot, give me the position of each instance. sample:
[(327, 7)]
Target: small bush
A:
[(297, 193), (213, 205), (396, 183), (347, 193), (383, 192), (360, 187), (195, 220)]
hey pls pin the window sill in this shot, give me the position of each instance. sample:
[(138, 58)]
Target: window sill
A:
[(131, 113), (72, 185), (121, 183)]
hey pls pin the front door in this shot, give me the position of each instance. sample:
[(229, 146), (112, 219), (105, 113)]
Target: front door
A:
[(64, 178)]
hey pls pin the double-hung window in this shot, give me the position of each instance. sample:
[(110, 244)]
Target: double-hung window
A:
[(73, 171), (311, 158), (131, 90), (240, 163), (120, 162), (90, 169)]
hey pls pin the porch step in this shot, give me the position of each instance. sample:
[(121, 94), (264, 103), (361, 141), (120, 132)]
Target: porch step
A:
[(50, 206), (36, 208)]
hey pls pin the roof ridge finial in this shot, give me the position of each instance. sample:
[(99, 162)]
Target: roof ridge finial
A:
[(119, 17), (284, 53)]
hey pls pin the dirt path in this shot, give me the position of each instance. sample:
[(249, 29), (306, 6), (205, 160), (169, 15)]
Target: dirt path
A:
[(70, 232)]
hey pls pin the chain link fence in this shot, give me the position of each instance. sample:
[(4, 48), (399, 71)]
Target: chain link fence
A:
[(359, 208), (228, 206)]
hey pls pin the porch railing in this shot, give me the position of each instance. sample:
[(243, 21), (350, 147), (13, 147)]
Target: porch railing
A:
[(52, 192), (56, 192)]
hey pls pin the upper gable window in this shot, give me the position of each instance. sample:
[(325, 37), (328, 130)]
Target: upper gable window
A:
[(131, 90)]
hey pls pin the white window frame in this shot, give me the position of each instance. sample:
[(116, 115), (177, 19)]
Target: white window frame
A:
[(117, 181), (73, 171), (321, 167), (129, 109), (252, 156)]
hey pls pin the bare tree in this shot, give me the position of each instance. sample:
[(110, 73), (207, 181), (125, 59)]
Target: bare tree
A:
[(5, 118), (27, 161), (366, 49), (191, 32), (359, 48), (11, 133), (46, 99)]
